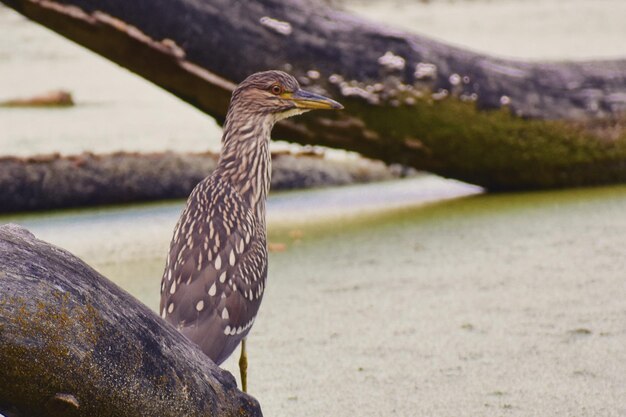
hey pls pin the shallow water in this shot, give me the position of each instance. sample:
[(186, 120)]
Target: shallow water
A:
[(485, 305), (128, 243), (525, 29), (116, 110)]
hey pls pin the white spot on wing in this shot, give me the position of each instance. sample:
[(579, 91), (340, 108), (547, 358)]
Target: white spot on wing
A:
[(218, 262), (225, 314), (231, 258), (170, 308), (213, 290), (227, 330), (173, 288), (240, 247), (200, 305)]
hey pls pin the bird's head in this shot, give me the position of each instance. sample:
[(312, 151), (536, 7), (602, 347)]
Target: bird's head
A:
[(278, 95)]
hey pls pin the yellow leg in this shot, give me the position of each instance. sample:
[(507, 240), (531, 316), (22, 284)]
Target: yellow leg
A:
[(243, 367)]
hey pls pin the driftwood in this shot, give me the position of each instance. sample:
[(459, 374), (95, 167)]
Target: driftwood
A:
[(74, 344), (53, 181), (409, 99), (57, 98)]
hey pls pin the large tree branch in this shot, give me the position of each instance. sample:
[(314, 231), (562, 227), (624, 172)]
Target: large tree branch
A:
[(74, 344), (424, 104)]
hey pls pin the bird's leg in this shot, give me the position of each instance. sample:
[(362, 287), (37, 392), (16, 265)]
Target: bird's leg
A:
[(243, 366)]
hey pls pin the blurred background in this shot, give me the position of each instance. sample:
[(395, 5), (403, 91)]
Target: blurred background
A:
[(418, 296), (43, 61)]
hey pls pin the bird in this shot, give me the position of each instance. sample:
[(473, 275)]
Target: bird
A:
[(216, 269)]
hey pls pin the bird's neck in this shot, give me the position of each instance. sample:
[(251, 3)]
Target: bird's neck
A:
[(245, 161)]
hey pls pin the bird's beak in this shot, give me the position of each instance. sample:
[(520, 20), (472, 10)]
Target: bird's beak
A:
[(310, 101)]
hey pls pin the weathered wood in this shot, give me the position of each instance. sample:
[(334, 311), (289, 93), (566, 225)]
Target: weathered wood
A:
[(409, 99), (74, 344), (54, 181)]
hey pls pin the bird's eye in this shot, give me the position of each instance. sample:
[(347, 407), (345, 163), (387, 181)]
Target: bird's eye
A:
[(276, 89)]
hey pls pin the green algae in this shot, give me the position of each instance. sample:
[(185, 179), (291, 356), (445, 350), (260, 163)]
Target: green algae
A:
[(494, 148)]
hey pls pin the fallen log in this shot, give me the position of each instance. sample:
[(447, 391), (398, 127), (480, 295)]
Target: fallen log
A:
[(57, 98), (74, 344), (54, 181), (503, 124)]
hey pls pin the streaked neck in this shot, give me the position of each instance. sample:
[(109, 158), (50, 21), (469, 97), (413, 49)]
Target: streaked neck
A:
[(245, 159)]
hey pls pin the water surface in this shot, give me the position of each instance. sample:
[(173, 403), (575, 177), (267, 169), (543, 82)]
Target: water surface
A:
[(524, 29), (483, 305)]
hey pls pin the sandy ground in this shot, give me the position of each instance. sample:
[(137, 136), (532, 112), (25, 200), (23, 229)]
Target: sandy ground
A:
[(507, 305)]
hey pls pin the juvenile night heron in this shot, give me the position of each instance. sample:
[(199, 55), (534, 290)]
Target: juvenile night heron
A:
[(216, 269)]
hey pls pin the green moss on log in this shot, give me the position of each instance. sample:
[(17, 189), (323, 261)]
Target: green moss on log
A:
[(39, 350), (494, 148), (54, 341)]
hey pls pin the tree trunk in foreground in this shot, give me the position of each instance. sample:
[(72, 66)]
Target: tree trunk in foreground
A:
[(74, 344), (503, 124)]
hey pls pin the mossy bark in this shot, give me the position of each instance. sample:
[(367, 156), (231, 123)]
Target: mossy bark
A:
[(503, 124), (74, 344), (494, 148)]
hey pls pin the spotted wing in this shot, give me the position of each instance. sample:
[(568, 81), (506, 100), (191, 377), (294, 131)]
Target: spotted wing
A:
[(216, 269)]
